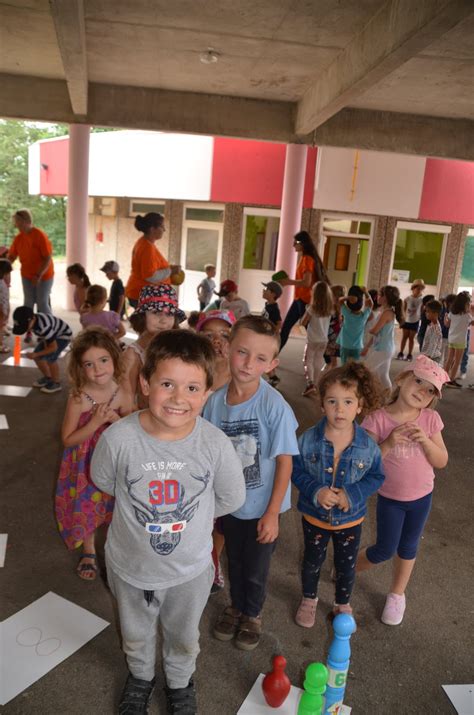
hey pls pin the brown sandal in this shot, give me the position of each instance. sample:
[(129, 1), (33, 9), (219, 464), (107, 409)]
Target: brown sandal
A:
[(87, 572), (250, 630)]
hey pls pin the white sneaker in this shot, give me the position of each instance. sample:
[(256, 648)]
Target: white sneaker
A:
[(394, 609)]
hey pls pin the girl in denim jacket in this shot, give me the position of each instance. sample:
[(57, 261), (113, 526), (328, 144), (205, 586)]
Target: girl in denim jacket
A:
[(338, 468)]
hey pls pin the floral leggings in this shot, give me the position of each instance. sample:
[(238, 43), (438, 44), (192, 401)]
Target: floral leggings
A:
[(346, 546)]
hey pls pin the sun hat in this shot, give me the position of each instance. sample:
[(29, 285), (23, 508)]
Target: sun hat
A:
[(426, 369), (274, 287), (22, 317), (227, 287), (111, 266), (418, 282), (160, 298), (226, 315)]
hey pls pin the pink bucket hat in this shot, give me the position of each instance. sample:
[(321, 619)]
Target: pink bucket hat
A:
[(226, 315), (427, 369)]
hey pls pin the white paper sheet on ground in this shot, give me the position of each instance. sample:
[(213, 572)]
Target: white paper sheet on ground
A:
[(3, 549), (24, 362), (462, 697), (254, 703), (38, 638), (3, 422), (14, 391)]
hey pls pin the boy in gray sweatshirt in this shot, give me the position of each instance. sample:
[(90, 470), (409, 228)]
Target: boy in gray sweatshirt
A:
[(171, 473)]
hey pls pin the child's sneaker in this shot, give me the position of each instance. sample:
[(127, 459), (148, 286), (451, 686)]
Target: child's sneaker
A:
[(394, 609), (136, 696), (409, 357), (306, 613), (342, 608), (310, 388), (227, 625), (181, 701), (400, 356), (41, 382), (250, 630), (51, 387)]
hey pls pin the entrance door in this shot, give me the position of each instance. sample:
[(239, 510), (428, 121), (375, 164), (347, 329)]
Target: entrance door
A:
[(201, 244), (343, 260)]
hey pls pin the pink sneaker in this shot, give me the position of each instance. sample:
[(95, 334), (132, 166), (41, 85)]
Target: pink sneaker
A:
[(306, 613), (394, 609), (342, 608)]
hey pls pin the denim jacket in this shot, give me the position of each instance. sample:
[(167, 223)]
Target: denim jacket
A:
[(359, 472)]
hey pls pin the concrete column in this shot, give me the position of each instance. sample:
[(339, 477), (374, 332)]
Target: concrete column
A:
[(78, 184), (291, 212)]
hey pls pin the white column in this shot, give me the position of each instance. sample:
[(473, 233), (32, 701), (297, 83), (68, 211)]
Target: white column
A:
[(291, 211), (77, 201)]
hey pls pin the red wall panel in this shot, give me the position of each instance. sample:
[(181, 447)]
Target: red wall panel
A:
[(251, 172), (54, 167), (448, 191)]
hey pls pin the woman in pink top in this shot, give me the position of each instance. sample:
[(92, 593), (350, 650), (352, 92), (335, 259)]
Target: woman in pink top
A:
[(408, 433)]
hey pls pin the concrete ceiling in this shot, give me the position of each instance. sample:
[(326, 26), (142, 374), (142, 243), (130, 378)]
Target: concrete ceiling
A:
[(331, 71)]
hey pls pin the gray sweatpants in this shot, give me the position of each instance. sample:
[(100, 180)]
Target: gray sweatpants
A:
[(178, 610)]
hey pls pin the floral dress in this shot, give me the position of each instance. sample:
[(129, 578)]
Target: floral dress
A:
[(79, 506)]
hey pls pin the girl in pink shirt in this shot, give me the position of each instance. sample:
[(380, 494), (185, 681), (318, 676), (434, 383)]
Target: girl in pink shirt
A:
[(408, 433)]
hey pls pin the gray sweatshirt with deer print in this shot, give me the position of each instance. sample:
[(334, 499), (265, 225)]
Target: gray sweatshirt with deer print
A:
[(167, 495)]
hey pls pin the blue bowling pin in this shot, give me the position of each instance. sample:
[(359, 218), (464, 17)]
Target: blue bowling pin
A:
[(338, 662)]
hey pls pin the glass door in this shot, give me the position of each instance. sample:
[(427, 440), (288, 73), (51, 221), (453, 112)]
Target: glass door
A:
[(201, 244)]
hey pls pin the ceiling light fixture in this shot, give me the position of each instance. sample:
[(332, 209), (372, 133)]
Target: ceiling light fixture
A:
[(209, 57)]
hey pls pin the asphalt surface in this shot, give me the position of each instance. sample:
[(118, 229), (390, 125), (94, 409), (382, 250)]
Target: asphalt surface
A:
[(393, 670)]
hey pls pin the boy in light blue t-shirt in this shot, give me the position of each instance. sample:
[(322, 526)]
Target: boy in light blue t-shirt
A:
[(355, 312), (262, 427)]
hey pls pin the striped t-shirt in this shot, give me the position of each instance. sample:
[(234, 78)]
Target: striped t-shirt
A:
[(49, 328)]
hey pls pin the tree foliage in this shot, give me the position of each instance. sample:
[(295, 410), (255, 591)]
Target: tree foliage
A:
[(49, 212)]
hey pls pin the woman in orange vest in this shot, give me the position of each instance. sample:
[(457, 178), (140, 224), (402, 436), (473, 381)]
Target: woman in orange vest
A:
[(309, 271), (35, 252), (149, 267)]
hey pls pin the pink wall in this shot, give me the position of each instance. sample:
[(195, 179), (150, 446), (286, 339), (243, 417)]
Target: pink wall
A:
[(448, 191), (252, 172)]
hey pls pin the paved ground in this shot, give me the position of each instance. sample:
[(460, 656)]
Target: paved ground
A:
[(393, 670)]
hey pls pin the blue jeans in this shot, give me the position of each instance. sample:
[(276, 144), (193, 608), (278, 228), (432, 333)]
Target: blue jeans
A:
[(37, 294), (52, 357), (295, 313), (400, 525)]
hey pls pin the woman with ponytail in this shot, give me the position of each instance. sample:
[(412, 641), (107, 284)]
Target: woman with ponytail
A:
[(149, 267), (310, 270), (383, 343)]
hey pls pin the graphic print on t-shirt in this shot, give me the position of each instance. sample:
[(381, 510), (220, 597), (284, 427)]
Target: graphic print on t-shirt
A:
[(165, 526), (245, 436)]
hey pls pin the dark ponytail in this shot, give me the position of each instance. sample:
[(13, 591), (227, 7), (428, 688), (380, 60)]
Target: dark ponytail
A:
[(309, 249), (76, 269), (151, 220), (392, 295)]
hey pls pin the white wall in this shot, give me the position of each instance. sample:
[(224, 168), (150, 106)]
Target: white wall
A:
[(385, 184)]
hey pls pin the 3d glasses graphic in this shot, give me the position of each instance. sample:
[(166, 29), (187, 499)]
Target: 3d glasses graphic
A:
[(170, 528)]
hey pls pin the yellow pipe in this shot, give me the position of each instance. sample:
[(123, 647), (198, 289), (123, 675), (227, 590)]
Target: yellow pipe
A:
[(354, 174)]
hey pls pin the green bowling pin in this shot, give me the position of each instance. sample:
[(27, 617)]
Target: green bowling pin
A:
[(311, 702)]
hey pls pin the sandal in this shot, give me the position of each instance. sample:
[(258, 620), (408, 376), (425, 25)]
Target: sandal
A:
[(4, 350), (87, 572), (250, 630)]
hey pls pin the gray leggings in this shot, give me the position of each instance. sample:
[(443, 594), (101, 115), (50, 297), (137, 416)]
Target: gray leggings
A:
[(178, 609)]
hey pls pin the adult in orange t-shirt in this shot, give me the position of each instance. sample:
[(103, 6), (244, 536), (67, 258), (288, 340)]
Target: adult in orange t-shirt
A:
[(309, 271), (149, 267), (34, 250)]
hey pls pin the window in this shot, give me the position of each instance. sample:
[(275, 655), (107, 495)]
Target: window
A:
[(260, 242), (417, 255), (201, 248), (341, 261), (197, 214), (142, 206), (466, 279), (347, 225)]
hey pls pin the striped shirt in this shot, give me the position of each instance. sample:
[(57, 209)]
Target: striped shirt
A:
[(49, 328)]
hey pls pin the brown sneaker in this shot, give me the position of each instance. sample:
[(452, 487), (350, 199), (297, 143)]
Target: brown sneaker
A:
[(227, 625), (250, 630)]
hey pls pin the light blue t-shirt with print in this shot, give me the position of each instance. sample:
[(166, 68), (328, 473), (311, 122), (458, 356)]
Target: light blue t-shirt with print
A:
[(261, 429), (351, 336)]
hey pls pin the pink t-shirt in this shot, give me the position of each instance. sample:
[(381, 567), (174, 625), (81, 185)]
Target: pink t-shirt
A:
[(106, 319), (408, 474)]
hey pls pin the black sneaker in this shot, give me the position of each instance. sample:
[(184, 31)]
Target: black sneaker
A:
[(181, 701), (136, 696), (51, 387), (409, 357), (400, 356), (453, 383)]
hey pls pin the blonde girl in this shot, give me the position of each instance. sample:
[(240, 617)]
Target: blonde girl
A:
[(408, 432), (382, 343), (97, 399), (457, 320), (94, 314), (316, 320)]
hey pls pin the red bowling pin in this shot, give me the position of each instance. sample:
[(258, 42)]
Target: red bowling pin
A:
[(276, 684)]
